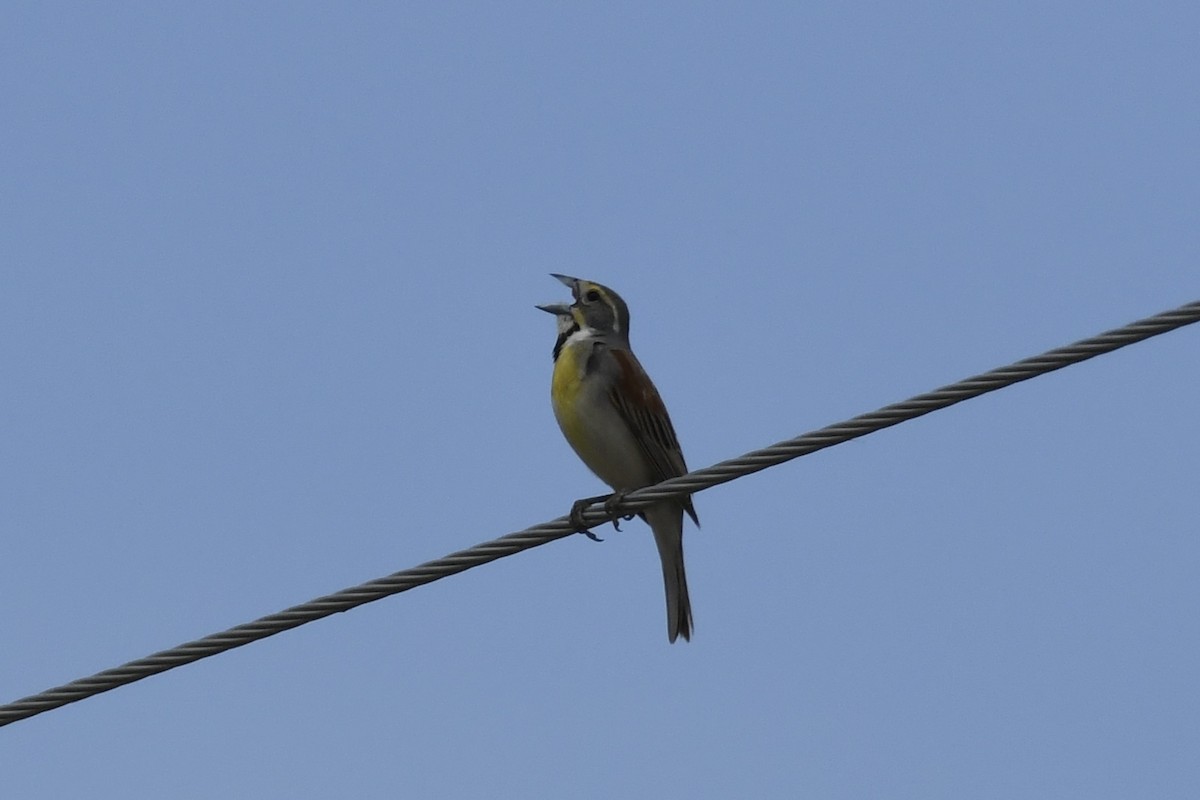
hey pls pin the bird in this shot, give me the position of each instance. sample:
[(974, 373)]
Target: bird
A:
[(614, 419)]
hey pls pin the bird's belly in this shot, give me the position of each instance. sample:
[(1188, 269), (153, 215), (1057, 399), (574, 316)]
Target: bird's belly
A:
[(602, 440)]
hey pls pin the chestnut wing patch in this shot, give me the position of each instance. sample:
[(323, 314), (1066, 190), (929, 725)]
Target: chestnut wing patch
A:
[(639, 404), (642, 408)]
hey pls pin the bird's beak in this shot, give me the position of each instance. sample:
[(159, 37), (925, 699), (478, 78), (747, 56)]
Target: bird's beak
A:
[(567, 280), (556, 308)]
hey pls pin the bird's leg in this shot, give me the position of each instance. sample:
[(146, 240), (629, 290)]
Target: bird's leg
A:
[(610, 506), (577, 515)]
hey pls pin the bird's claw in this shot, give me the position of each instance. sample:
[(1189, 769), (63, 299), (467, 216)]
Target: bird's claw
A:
[(577, 517), (611, 502), (610, 507)]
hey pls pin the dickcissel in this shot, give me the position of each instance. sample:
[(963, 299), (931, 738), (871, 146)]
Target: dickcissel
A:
[(615, 420)]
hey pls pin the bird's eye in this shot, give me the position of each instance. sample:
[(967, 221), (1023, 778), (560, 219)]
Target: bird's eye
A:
[(592, 296)]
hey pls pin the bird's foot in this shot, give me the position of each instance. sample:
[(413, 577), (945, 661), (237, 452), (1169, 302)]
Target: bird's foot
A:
[(610, 506), (577, 515)]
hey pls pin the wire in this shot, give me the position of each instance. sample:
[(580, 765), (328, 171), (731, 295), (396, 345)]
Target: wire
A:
[(561, 527)]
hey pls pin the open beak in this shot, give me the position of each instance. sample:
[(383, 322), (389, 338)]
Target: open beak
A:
[(569, 282), (558, 309)]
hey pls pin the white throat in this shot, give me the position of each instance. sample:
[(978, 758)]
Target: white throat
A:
[(581, 335)]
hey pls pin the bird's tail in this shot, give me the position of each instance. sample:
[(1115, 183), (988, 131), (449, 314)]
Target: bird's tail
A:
[(666, 521)]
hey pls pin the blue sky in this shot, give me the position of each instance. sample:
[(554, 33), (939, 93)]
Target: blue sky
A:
[(267, 331)]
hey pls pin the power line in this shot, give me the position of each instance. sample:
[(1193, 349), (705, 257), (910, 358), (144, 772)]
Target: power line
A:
[(561, 527)]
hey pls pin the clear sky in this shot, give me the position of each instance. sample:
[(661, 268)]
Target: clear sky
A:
[(267, 330)]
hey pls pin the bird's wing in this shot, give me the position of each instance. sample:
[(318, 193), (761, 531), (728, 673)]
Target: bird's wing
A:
[(639, 404)]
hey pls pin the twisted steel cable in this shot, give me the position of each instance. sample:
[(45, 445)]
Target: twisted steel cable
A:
[(562, 527)]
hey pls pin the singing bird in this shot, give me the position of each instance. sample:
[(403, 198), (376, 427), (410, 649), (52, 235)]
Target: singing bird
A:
[(615, 420)]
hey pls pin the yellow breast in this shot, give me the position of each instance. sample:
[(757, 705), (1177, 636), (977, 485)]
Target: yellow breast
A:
[(592, 425), (566, 389)]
